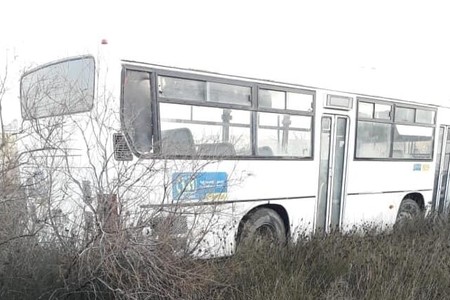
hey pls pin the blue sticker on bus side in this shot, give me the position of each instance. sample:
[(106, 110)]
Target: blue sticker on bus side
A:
[(417, 167), (199, 186)]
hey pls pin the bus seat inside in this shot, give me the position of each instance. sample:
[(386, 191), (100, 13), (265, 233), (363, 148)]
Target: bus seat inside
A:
[(265, 151), (177, 142), (216, 149)]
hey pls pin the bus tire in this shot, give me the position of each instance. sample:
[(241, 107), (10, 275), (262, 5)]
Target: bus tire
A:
[(408, 211), (263, 225)]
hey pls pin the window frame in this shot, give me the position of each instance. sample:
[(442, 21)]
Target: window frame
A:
[(254, 86), (392, 122), (154, 115), (290, 112)]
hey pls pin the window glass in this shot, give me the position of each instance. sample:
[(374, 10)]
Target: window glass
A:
[(365, 110), (298, 101), (206, 131), (300, 122), (284, 135), (182, 112), (272, 99), (384, 139), (239, 138), (425, 116), (185, 89), (373, 140), (403, 114), (227, 93), (269, 119), (212, 114), (62, 88), (414, 142), (206, 114), (240, 117), (382, 111), (137, 109), (340, 101)]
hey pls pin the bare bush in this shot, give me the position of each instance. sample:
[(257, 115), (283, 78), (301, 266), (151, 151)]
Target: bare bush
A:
[(82, 225), (411, 263)]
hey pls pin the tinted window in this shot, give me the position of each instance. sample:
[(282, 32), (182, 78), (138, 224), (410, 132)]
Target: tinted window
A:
[(196, 90), (227, 93), (185, 89)]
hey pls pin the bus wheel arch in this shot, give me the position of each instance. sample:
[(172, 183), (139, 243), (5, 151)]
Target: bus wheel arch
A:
[(272, 215), (412, 205)]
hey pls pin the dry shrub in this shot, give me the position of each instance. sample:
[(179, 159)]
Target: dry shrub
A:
[(29, 270), (113, 266), (118, 266), (412, 262)]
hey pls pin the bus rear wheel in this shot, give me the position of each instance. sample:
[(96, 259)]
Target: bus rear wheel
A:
[(408, 211), (263, 226)]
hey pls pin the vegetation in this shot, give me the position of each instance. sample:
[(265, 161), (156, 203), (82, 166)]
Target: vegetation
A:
[(410, 263)]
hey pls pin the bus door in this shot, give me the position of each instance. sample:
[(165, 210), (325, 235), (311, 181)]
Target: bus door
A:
[(332, 172), (441, 199)]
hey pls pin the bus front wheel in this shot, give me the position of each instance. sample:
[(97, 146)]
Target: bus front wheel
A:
[(263, 225)]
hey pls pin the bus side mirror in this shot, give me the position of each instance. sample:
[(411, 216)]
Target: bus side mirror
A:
[(60, 88)]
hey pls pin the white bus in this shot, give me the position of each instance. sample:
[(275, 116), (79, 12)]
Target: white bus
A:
[(230, 157)]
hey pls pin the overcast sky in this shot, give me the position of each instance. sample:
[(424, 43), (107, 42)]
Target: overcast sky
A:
[(397, 49)]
